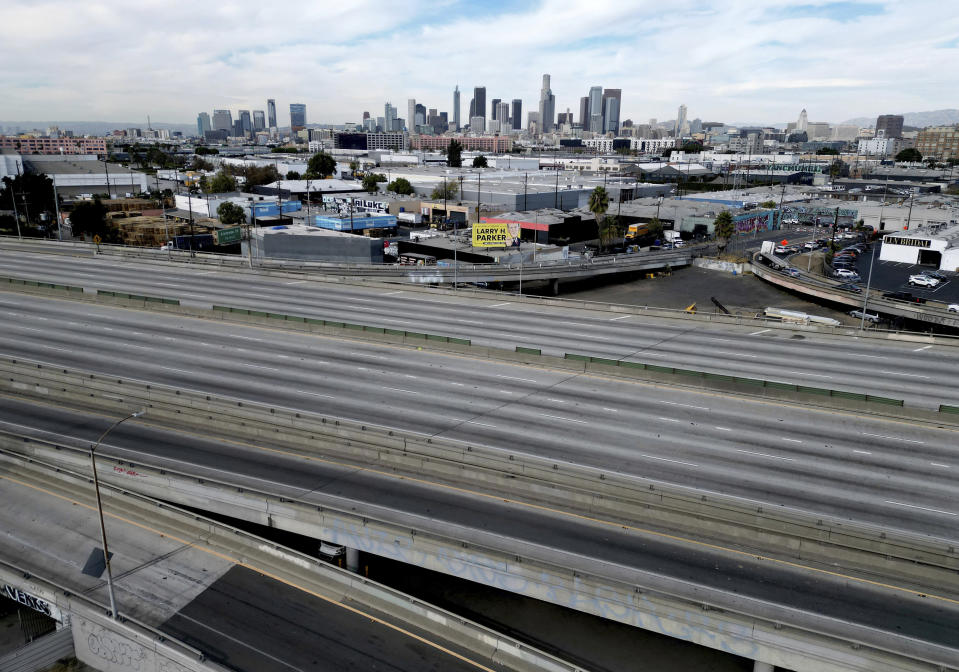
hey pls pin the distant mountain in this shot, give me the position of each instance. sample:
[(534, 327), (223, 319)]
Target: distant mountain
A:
[(92, 127), (916, 119)]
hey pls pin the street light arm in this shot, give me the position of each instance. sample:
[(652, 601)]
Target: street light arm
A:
[(109, 429)]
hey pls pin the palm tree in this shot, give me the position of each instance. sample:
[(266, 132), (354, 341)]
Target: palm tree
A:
[(609, 231), (723, 227), (598, 204)]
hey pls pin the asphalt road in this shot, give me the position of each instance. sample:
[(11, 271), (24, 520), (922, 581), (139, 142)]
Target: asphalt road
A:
[(891, 473), (895, 369), (583, 545)]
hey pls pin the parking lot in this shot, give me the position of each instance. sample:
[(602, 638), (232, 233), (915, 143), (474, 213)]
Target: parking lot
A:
[(891, 276)]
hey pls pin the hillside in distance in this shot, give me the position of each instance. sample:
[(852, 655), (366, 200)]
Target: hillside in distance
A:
[(916, 119)]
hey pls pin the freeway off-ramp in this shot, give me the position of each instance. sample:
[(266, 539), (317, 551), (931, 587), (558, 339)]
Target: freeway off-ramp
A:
[(838, 464), (901, 370), (577, 543)]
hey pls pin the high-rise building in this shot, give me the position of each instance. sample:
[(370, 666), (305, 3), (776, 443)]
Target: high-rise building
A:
[(595, 109), (889, 126), (612, 100), (411, 114), (681, 121), (492, 107), (479, 101), (297, 117), (532, 123), (246, 122), (564, 118), (389, 118), (259, 120), (271, 112), (456, 107), (502, 115), (584, 112), (803, 123), (477, 124), (203, 124), (419, 112), (222, 121), (517, 115), (366, 115), (547, 106), (939, 142)]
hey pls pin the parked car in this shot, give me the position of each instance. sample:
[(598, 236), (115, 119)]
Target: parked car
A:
[(850, 287), (810, 245), (953, 307), (781, 249), (846, 274), (934, 274), (921, 280), (792, 272), (903, 296), (870, 317)]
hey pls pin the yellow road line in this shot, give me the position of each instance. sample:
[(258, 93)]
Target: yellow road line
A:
[(258, 570)]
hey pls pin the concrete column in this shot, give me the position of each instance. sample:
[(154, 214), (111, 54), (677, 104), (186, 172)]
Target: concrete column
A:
[(759, 666), (353, 561)]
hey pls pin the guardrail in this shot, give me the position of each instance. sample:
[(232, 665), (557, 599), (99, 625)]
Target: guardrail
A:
[(276, 561), (710, 616), (620, 498)]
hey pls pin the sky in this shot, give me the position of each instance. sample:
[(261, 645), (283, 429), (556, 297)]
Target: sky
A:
[(727, 60)]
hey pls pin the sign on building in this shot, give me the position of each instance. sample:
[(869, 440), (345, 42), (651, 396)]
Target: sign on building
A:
[(495, 233)]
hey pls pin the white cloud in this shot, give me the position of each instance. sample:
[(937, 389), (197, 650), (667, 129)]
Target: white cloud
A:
[(732, 60)]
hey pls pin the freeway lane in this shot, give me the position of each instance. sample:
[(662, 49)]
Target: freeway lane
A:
[(512, 527), (887, 368), (890, 473)]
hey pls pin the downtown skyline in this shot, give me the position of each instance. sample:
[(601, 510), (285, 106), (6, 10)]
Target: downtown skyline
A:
[(726, 61)]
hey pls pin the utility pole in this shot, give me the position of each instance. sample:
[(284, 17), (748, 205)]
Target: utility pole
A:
[(189, 197), (106, 169), (556, 191), (56, 205), (835, 225), (16, 215), (525, 183)]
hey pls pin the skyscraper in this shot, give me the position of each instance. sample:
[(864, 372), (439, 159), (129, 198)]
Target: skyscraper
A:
[(223, 121), (297, 117), (681, 121), (271, 112), (389, 118), (259, 120), (456, 107), (595, 109), (584, 113), (803, 123), (203, 124), (612, 101), (411, 115), (492, 107), (479, 101), (889, 126), (419, 112), (547, 106), (246, 122), (517, 115), (502, 115)]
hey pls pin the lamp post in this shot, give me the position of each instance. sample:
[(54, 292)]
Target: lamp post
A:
[(103, 529)]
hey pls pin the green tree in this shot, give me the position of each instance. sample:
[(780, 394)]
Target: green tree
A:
[(319, 166), (255, 176), (910, 154), (89, 218), (598, 202), (769, 205), (199, 163), (609, 231), (231, 213), (827, 151), (692, 147), (206, 150), (401, 186), (222, 182), (655, 227), (34, 189), (370, 183), (480, 162), (292, 175), (446, 191), (838, 168), (454, 154), (723, 227), (354, 166)]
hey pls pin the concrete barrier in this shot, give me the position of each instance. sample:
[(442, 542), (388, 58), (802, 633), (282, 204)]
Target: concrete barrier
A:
[(772, 633), (297, 569), (620, 499)]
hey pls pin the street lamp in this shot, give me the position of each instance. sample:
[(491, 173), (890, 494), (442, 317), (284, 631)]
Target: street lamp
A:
[(103, 529)]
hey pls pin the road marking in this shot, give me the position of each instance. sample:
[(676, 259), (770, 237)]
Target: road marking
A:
[(774, 457), (723, 429), (862, 452), (481, 424), (761, 331), (459, 384), (621, 317), (246, 338), (170, 368), (891, 438), (666, 459), (916, 506), (558, 401), (394, 293), (316, 394), (910, 375), (814, 375), (399, 389), (869, 356), (676, 403), (925, 347), (409, 375), (499, 304), (611, 410), (669, 419), (791, 440), (559, 417), (939, 464), (525, 380), (297, 282), (470, 321), (257, 366)]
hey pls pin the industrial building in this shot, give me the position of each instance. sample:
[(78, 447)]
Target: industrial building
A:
[(299, 241), (935, 245)]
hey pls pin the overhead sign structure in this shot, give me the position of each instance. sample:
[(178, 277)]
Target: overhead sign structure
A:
[(228, 236), (493, 233)]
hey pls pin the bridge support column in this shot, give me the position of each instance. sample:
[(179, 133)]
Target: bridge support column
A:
[(554, 286), (759, 666), (353, 560)]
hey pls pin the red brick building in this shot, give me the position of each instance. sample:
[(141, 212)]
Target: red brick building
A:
[(31, 145)]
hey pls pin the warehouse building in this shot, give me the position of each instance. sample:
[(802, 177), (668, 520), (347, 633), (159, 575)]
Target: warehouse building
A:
[(935, 245)]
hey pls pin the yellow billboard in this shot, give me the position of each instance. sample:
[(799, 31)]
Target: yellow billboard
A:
[(495, 233)]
